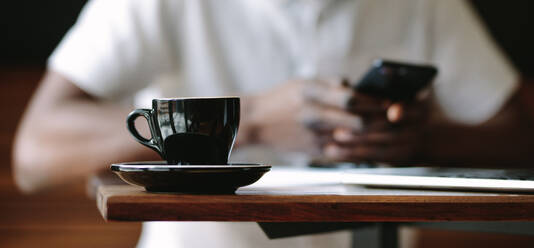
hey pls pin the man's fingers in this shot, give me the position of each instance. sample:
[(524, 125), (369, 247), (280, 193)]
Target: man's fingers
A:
[(328, 92), (320, 118), (345, 137), (365, 104), (407, 113), (368, 153), (337, 93), (395, 113), (337, 81)]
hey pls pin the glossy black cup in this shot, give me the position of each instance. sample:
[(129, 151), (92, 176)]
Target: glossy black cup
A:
[(190, 131)]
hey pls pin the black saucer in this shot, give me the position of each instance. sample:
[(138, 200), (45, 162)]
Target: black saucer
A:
[(205, 179)]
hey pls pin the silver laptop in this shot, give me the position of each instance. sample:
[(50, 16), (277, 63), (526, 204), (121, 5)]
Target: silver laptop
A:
[(443, 178)]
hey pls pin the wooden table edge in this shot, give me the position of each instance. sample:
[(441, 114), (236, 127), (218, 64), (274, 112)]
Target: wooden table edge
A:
[(142, 206)]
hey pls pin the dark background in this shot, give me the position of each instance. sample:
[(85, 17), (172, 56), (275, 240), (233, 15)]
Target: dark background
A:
[(31, 29), (66, 216)]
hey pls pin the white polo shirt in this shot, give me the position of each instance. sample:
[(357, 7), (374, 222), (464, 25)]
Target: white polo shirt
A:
[(237, 47), (166, 48)]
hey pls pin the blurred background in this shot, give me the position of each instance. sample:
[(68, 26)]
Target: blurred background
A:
[(62, 217), (67, 216)]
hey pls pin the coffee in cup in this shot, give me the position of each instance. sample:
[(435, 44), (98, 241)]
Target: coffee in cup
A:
[(190, 131)]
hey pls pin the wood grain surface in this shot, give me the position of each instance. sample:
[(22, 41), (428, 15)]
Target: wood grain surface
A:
[(338, 204)]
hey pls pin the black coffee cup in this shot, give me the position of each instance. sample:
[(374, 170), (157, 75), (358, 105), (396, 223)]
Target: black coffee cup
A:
[(190, 131)]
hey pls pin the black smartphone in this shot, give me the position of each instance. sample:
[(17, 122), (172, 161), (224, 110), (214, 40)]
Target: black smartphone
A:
[(395, 80)]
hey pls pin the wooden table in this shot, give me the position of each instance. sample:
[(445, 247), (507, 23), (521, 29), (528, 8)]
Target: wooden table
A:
[(305, 195)]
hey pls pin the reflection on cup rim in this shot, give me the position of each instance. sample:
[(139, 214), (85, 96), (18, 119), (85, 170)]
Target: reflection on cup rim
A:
[(193, 98)]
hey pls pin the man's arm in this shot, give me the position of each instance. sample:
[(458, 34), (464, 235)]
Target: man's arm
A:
[(504, 140), (66, 135)]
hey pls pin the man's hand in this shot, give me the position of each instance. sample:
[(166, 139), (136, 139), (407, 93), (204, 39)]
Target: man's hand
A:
[(327, 118), (392, 133), (290, 117)]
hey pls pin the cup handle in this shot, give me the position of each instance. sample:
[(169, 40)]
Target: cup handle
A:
[(130, 122)]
